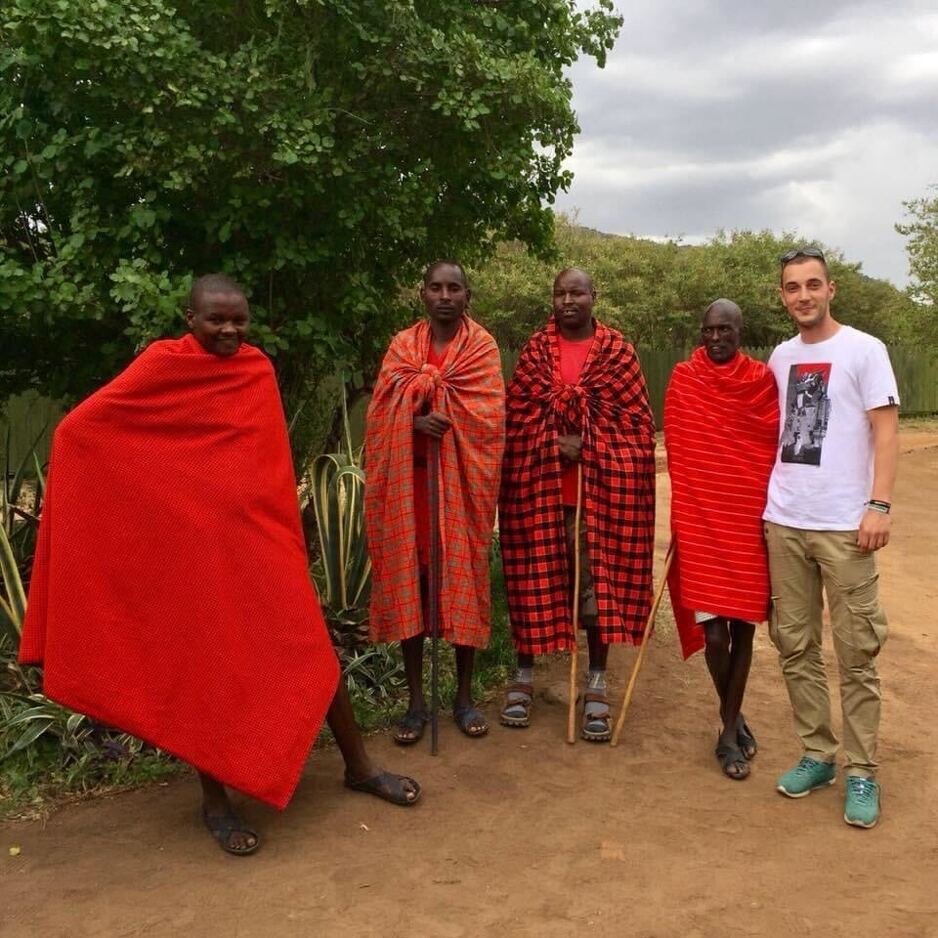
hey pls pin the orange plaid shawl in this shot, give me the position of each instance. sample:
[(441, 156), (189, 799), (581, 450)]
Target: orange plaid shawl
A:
[(468, 388)]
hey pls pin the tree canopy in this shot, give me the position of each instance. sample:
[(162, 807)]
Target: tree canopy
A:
[(655, 292), (921, 229), (320, 151)]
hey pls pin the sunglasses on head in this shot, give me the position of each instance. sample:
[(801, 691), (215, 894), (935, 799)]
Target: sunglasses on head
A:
[(794, 253)]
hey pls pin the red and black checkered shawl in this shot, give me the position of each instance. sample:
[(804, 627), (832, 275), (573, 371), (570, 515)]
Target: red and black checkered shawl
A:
[(609, 409)]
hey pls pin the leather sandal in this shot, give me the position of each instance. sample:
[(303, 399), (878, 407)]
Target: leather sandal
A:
[(517, 709), (597, 726)]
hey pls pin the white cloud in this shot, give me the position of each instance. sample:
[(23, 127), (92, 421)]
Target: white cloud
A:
[(807, 117)]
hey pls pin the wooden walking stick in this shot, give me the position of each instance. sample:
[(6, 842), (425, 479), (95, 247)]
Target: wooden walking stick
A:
[(646, 638), (433, 589), (571, 710)]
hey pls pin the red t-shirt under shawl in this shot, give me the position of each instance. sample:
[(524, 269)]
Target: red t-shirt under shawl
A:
[(573, 355)]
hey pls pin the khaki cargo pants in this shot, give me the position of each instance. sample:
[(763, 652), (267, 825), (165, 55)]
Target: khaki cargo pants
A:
[(801, 563)]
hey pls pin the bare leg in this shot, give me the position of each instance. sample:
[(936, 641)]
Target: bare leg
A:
[(341, 720), (598, 649), (740, 660), (412, 650), (465, 660), (729, 656), (477, 725), (358, 764), (728, 663), (717, 653)]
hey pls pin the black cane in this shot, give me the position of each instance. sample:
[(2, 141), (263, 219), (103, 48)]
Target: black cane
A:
[(433, 588)]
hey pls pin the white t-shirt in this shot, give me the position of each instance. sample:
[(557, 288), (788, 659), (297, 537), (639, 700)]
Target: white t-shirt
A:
[(824, 467)]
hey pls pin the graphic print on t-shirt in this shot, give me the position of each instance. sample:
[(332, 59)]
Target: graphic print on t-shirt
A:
[(807, 410)]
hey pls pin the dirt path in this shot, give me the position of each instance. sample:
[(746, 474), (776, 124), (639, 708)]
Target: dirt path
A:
[(521, 835)]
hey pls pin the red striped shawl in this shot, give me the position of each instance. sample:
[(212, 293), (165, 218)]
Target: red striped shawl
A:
[(721, 434)]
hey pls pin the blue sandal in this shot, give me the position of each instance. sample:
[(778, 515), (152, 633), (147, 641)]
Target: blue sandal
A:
[(412, 723), (471, 721)]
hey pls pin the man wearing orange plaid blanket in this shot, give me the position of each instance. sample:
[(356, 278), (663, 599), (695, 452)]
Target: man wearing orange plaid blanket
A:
[(440, 382)]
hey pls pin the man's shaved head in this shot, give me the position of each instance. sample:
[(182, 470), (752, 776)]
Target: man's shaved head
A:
[(212, 283), (728, 307), (576, 270), (444, 262), (721, 329), (218, 314)]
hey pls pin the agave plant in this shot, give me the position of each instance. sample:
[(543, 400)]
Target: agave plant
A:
[(336, 491), (375, 675), (19, 522), (27, 718), (19, 514)]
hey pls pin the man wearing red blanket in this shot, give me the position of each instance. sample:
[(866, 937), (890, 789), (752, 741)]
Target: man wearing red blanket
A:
[(577, 399), (720, 431), (170, 595)]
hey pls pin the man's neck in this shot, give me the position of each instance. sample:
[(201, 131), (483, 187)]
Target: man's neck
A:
[(577, 335), (824, 330), (443, 332)]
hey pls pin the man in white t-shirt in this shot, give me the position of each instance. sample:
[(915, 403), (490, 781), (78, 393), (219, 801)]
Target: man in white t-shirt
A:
[(827, 513)]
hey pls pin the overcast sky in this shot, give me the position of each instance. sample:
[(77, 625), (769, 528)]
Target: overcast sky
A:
[(820, 117)]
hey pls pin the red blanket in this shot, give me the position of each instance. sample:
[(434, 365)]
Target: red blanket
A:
[(721, 434), (468, 388), (170, 596), (609, 408)]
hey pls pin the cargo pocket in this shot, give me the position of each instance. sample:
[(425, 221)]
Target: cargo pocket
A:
[(864, 633), (773, 622)]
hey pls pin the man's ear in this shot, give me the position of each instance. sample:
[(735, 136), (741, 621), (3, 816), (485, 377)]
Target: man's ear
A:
[(190, 315)]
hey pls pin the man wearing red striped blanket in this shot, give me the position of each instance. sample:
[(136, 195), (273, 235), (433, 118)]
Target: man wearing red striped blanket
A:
[(720, 431)]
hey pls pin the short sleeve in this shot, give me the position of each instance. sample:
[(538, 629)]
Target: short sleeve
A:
[(877, 381)]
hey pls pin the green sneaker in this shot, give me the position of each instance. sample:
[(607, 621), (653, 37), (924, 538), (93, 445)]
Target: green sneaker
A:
[(861, 808), (807, 775)]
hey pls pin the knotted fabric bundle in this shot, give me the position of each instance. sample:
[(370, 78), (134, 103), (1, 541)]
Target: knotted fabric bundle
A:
[(170, 596), (721, 434), (467, 388), (609, 409)]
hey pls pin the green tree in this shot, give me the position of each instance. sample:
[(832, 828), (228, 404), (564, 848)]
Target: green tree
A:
[(655, 293), (921, 229), (320, 151)]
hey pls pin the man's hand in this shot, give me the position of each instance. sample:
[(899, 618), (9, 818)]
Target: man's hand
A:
[(874, 530), (570, 447), (433, 424)]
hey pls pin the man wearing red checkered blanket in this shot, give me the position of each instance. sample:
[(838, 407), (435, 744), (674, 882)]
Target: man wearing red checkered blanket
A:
[(579, 430)]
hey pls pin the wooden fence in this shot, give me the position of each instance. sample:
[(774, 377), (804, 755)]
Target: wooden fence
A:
[(27, 419), (31, 417), (916, 373)]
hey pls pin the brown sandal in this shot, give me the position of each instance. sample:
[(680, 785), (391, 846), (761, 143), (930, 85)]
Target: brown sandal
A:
[(597, 727), (522, 702)]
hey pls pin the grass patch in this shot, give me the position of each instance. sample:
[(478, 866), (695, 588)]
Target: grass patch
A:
[(36, 781), (919, 423)]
